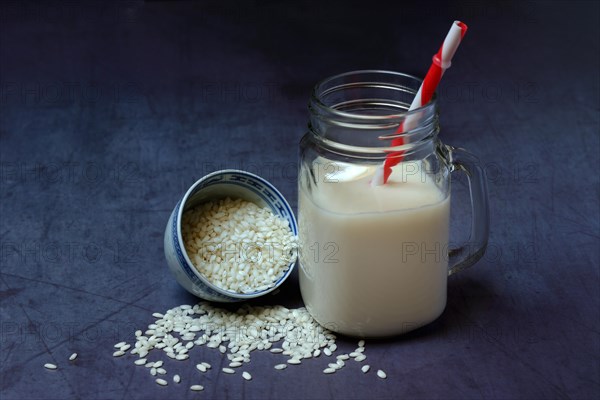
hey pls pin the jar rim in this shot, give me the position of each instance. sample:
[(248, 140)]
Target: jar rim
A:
[(318, 91)]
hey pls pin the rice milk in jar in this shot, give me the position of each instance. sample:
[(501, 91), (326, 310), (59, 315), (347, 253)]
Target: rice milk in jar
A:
[(374, 259)]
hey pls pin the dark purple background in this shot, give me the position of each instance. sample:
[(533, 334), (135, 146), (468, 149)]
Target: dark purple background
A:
[(109, 111)]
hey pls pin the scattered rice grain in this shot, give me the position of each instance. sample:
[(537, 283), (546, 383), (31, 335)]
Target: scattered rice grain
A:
[(180, 328)]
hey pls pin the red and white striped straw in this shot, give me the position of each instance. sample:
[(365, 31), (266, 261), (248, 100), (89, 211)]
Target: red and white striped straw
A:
[(441, 62)]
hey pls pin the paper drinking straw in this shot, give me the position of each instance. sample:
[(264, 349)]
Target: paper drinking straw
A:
[(441, 62)]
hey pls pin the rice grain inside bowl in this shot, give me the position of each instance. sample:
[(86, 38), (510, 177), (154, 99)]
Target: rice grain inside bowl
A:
[(214, 187), (237, 245)]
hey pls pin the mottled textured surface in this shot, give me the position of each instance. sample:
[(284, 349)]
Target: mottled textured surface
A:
[(109, 111)]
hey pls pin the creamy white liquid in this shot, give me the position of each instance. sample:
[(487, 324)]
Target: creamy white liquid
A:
[(373, 260)]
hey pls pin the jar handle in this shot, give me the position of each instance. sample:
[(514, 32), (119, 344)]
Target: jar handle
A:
[(471, 251)]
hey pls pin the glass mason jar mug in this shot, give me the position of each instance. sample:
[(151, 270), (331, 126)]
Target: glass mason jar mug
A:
[(374, 259)]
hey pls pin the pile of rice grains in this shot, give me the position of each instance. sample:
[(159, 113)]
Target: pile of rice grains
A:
[(235, 334)]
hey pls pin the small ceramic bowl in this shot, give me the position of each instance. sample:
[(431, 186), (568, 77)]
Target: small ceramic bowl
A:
[(217, 185)]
